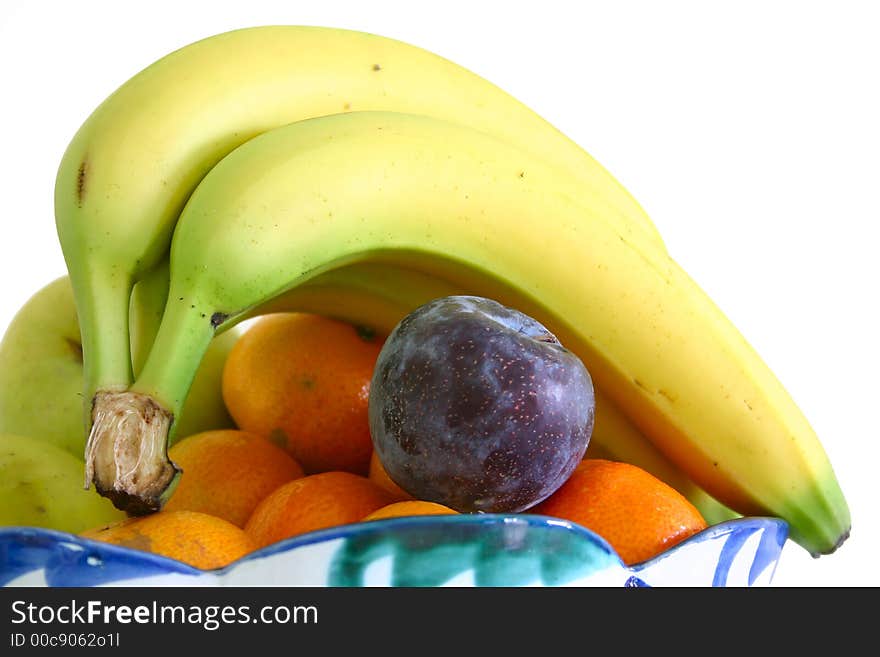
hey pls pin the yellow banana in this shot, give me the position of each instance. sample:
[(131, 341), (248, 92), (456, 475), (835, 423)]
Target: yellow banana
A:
[(131, 166), (459, 204)]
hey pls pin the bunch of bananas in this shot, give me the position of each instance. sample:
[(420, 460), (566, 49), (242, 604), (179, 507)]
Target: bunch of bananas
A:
[(333, 171)]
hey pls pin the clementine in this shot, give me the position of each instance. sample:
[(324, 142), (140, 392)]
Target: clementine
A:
[(637, 513), (227, 472), (410, 508), (198, 539), (303, 381), (326, 499), (379, 475)]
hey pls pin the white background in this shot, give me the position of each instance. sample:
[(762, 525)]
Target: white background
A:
[(747, 130)]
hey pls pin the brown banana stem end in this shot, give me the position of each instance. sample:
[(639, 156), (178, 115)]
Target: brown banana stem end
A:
[(126, 453)]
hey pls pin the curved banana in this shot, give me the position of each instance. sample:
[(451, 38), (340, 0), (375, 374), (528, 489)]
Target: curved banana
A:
[(459, 204), (131, 166)]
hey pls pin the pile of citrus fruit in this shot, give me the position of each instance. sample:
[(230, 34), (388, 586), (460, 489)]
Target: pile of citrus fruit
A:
[(300, 458)]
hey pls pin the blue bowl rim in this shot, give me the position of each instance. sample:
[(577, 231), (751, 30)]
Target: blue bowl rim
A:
[(31, 534)]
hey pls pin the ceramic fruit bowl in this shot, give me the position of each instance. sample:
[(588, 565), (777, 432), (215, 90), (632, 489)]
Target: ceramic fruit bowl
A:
[(449, 550)]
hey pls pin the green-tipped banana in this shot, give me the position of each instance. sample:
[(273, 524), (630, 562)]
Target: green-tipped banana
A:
[(130, 168), (459, 204)]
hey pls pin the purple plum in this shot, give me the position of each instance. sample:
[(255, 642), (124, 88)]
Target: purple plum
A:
[(478, 406)]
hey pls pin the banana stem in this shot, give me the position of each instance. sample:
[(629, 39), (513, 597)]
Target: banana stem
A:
[(102, 305), (127, 456), (184, 335), (126, 432)]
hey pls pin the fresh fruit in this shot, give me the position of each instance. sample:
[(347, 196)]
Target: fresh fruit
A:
[(41, 371), (226, 473), (378, 476), (132, 165), (639, 515), (41, 368), (478, 407), (410, 508), (615, 438), (198, 539), (317, 501), (381, 294), (371, 295), (41, 486), (204, 408), (480, 212), (302, 381), (474, 101)]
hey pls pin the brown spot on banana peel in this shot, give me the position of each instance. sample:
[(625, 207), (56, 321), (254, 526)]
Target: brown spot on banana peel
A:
[(81, 176), (668, 395), (218, 318)]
